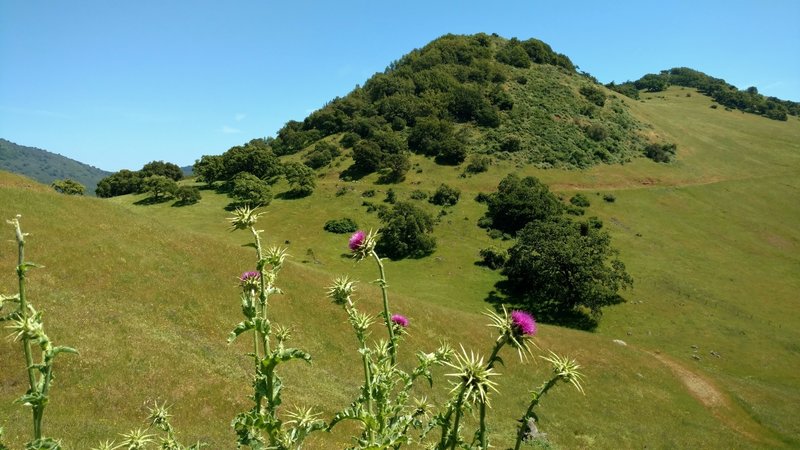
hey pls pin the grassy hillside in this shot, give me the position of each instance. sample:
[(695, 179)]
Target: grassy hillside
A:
[(147, 293), (45, 167)]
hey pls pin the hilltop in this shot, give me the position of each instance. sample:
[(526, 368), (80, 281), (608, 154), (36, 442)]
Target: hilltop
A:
[(45, 167)]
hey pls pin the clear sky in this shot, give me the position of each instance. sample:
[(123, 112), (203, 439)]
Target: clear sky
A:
[(118, 84)]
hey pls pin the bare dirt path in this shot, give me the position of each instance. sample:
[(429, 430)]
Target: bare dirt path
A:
[(720, 406)]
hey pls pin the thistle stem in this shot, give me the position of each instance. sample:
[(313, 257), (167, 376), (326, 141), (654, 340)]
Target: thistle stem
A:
[(387, 318), (26, 343), (482, 438), (454, 434), (528, 413)]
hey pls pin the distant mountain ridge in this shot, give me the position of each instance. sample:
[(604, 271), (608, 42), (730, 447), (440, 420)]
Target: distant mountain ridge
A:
[(45, 167)]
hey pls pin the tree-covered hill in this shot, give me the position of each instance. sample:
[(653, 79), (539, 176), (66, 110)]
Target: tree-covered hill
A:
[(461, 95), (728, 95), (45, 167)]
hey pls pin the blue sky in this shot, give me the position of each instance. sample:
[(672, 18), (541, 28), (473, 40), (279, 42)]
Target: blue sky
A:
[(118, 84)]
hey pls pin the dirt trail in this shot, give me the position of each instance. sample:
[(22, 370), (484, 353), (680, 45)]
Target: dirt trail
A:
[(723, 409)]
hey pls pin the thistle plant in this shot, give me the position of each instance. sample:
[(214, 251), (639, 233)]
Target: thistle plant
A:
[(565, 370), (261, 426), (384, 408), (27, 327)]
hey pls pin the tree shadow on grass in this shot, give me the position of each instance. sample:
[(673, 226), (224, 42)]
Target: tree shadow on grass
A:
[(292, 194), (578, 319), (152, 201), (353, 173)]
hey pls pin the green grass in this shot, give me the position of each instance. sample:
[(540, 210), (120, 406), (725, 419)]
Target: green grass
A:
[(148, 295)]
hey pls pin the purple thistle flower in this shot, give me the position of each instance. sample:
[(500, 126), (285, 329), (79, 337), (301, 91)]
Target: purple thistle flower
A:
[(523, 323), (357, 240), (249, 276), (400, 320)]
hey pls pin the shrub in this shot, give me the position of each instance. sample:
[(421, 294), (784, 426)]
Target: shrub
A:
[(493, 257), (187, 195), (596, 132), (445, 196), (418, 195), (574, 210), (341, 226), (610, 198), (68, 186), (349, 139), (580, 200), (593, 94), (478, 164), (482, 197), (368, 193), (662, 153), (391, 196)]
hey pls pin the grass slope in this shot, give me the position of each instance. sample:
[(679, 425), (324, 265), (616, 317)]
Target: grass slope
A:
[(147, 293)]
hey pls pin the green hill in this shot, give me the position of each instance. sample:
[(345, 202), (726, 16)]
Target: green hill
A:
[(45, 167), (483, 94), (148, 293)]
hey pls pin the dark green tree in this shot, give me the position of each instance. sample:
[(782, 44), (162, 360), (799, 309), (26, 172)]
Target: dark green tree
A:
[(159, 186), (249, 189), (255, 157), (68, 187), (119, 183), (406, 232), (210, 168), (301, 178), (166, 169), (367, 156), (395, 168), (519, 201), (559, 269)]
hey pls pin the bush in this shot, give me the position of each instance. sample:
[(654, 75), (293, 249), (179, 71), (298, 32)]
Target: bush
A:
[(478, 164), (341, 226), (445, 196), (661, 153), (493, 258), (368, 193), (596, 132), (610, 198), (574, 210), (418, 195), (187, 195), (593, 94), (580, 200), (391, 196), (68, 186)]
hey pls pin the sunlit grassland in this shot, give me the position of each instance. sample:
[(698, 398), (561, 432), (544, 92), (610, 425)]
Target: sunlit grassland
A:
[(148, 295)]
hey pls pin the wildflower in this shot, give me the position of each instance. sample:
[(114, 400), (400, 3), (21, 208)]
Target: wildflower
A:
[(249, 280), (400, 320), (523, 323), (357, 240), (362, 244), (514, 329)]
